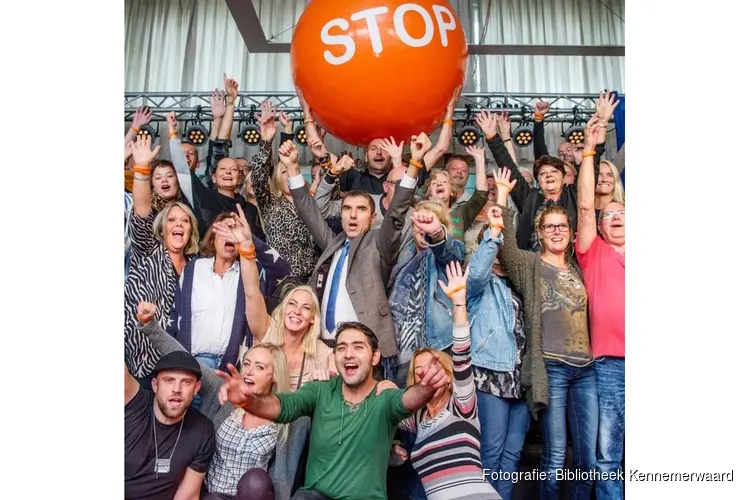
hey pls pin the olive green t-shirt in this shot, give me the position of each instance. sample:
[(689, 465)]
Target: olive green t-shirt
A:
[(349, 447)]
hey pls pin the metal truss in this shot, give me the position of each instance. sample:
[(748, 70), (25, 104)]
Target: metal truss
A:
[(564, 108)]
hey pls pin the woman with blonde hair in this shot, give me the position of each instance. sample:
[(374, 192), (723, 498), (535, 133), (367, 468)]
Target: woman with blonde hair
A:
[(446, 453), (421, 311), (285, 230), (608, 186), (241, 468), (557, 370), (294, 325), (161, 246)]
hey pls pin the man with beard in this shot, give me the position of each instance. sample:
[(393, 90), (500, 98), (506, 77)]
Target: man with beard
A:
[(602, 260), (168, 445), (352, 425), (458, 171)]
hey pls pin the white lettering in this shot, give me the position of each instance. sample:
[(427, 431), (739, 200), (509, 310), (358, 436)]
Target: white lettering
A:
[(398, 23), (370, 15), (444, 26), (344, 40)]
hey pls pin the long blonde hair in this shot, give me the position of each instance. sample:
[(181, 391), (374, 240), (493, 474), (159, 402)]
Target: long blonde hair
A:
[(280, 379), (618, 192), (274, 182), (276, 334), (160, 223)]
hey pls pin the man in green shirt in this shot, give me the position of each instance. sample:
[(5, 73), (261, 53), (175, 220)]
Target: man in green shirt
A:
[(352, 426)]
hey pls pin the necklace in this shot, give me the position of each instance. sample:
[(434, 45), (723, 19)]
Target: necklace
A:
[(162, 465)]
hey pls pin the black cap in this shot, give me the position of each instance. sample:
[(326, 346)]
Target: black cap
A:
[(178, 360)]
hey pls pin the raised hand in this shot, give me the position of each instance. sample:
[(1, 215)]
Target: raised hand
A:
[(456, 287), (432, 375), (426, 222), (267, 121), (487, 122), (578, 153), (344, 163), (321, 374), (142, 117), (605, 107), (234, 390), (394, 150), (288, 154), (475, 152), (419, 146), (285, 122), (128, 150), (503, 123), (591, 133), (504, 185), (142, 153), (541, 107), (317, 147), (236, 229), (454, 100), (232, 88), (145, 312), (218, 107), (303, 104), (172, 120)]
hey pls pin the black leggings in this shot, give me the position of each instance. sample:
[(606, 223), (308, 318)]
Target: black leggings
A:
[(255, 484)]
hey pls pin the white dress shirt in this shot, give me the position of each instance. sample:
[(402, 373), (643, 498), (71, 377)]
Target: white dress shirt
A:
[(213, 303), (344, 310)]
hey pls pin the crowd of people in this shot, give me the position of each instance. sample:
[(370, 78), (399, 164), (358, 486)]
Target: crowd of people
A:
[(295, 339)]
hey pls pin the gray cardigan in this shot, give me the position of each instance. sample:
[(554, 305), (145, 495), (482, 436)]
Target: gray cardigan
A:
[(283, 466)]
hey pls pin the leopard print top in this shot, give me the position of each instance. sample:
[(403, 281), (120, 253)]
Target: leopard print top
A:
[(286, 232)]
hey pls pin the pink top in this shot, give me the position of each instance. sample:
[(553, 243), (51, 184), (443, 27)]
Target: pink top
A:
[(604, 277)]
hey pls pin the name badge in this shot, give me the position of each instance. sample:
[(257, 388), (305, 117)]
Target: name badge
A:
[(162, 466)]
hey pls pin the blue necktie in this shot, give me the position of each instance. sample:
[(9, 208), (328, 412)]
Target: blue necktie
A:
[(334, 292)]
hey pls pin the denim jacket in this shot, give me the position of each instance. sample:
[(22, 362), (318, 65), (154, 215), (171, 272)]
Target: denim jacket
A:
[(439, 306), (490, 308)]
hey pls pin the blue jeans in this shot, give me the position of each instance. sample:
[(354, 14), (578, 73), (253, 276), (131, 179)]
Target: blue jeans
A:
[(610, 385), (504, 423), (578, 386), (211, 361)]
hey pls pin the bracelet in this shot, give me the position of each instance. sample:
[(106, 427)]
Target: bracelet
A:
[(309, 120), (453, 292), (416, 163), (504, 184), (459, 305), (586, 154), (135, 129), (174, 134), (436, 233), (141, 178), (488, 137), (601, 125), (497, 226), (248, 254), (448, 121), (506, 140), (145, 170), (538, 117)]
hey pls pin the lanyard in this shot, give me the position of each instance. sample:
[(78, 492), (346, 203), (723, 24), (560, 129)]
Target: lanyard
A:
[(162, 465)]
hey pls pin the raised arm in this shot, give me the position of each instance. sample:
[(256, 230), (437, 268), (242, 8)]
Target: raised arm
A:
[(308, 212), (237, 229), (141, 118), (480, 266), (496, 143), (142, 156), (131, 386), (464, 395), (503, 125), (587, 188), (260, 163), (444, 246), (431, 378), (513, 260), (331, 208), (540, 143), (232, 89), (184, 175), (218, 109), (446, 134), (389, 235)]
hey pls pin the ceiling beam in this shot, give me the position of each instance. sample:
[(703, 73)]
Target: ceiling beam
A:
[(248, 23)]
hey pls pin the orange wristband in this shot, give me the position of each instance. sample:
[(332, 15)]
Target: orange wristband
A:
[(586, 154), (416, 163), (145, 170), (248, 254), (538, 117), (497, 226), (501, 183), (448, 121), (135, 129), (174, 134), (453, 292), (488, 137)]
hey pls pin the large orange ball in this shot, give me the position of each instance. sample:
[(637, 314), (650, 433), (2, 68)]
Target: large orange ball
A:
[(378, 68)]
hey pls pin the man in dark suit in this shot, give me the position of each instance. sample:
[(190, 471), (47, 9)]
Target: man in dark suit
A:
[(352, 272)]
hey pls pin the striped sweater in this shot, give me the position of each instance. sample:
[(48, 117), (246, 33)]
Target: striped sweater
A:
[(446, 453)]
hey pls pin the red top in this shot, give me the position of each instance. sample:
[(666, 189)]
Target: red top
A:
[(604, 277)]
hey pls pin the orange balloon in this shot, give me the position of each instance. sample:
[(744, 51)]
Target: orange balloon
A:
[(378, 68)]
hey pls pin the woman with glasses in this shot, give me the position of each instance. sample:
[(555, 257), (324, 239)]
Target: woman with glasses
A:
[(557, 369)]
